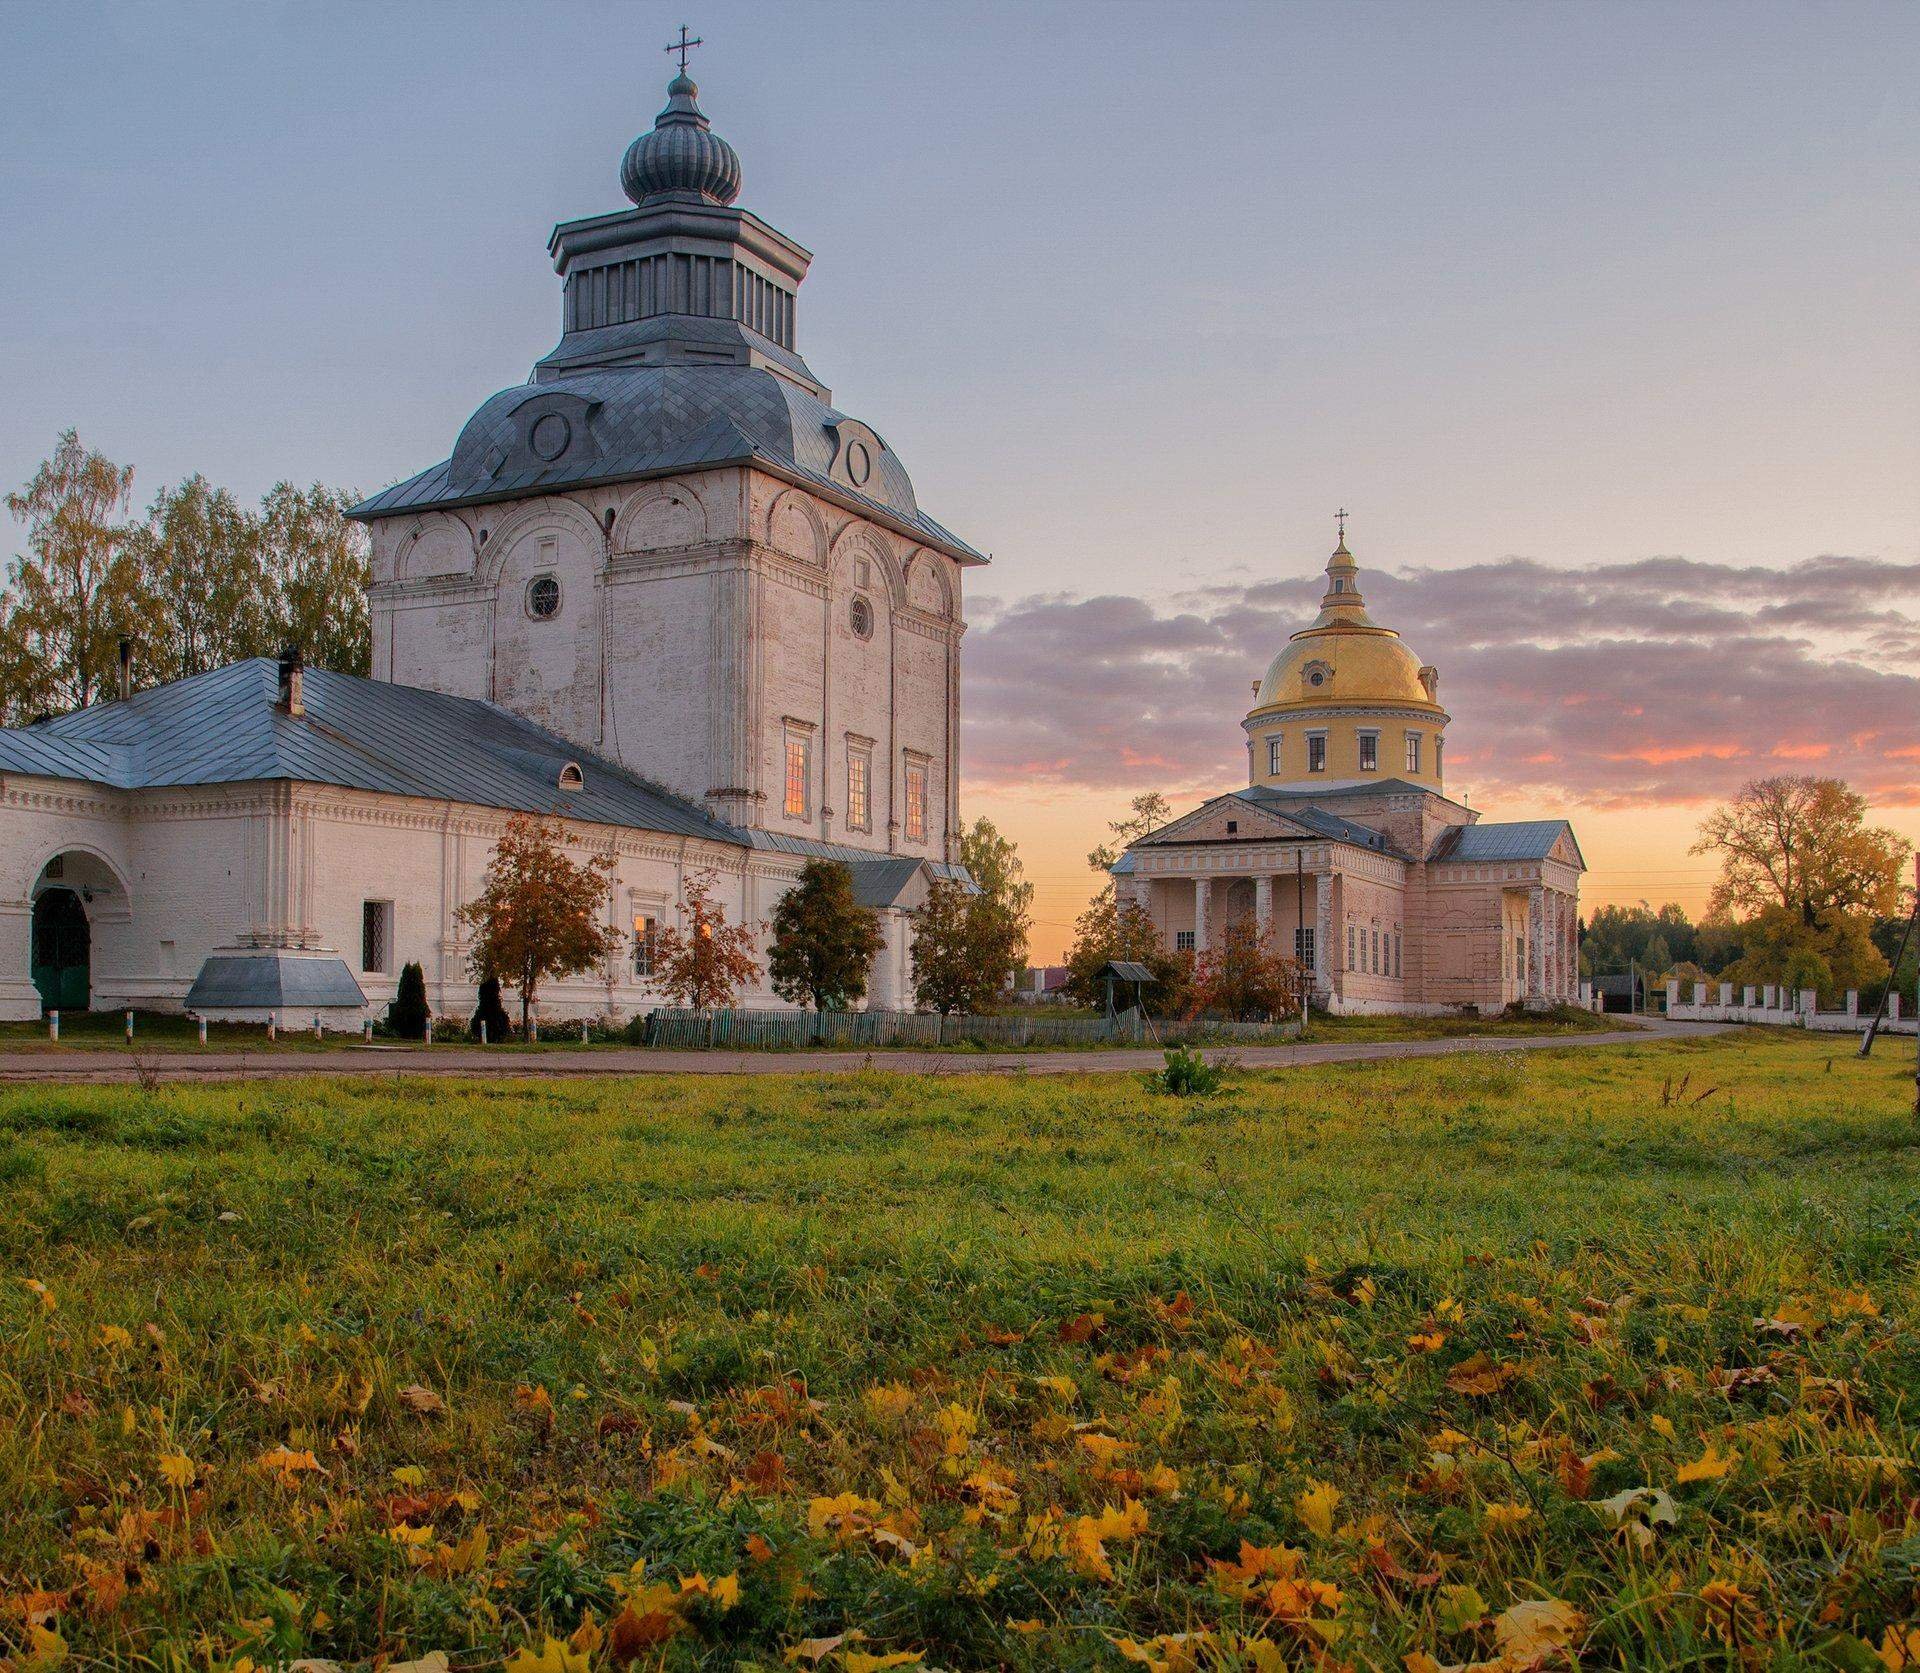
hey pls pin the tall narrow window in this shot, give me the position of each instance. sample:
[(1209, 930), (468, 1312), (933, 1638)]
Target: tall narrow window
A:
[(1303, 944), (1375, 966), (1413, 752), (1369, 752), (1316, 752), (799, 774), (1349, 946), (646, 935), (1396, 951), (916, 801), (859, 772), (1273, 756), (376, 936)]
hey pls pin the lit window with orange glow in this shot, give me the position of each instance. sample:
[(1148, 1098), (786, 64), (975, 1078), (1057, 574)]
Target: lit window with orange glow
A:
[(916, 801), (799, 774)]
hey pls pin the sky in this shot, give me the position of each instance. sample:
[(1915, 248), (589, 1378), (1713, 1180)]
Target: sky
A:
[(1600, 319)]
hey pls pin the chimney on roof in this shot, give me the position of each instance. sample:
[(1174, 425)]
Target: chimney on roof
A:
[(126, 666), (292, 699)]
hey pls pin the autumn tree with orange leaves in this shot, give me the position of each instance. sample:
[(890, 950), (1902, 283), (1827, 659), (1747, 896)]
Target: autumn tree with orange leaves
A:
[(539, 914), (704, 964)]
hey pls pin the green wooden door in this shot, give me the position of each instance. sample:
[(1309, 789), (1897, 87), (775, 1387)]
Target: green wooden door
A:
[(62, 946)]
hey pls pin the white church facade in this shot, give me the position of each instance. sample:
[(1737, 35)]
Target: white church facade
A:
[(664, 591)]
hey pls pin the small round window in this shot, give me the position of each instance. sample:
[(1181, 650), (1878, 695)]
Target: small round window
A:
[(543, 598), (1316, 678), (860, 614)]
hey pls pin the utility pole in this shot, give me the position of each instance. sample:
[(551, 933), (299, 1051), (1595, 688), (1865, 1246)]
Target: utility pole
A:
[(1893, 979)]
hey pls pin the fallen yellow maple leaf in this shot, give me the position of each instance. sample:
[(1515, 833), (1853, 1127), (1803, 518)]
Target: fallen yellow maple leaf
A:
[(177, 1469), (1711, 1465), (554, 1656), (1316, 1506), (1531, 1629)]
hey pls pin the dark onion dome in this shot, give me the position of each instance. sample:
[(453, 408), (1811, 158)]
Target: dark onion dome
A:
[(681, 154)]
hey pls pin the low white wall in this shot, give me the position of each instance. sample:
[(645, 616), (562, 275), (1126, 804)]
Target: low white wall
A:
[(1781, 1008)]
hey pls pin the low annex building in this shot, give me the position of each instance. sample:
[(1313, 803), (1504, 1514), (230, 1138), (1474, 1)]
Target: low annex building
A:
[(665, 590), (1346, 848)]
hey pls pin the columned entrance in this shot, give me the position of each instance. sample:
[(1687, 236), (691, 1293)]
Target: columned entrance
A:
[(62, 950)]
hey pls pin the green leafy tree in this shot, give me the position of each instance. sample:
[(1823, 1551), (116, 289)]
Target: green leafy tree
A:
[(1780, 947), (959, 955), (1244, 977), (1802, 844), (76, 588), (538, 914), (824, 941), (1146, 814), (704, 963), (315, 565), (1001, 913), (1125, 932), (202, 602)]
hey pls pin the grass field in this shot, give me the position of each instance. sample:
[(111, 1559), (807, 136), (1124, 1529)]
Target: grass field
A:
[(165, 1033), (1607, 1356)]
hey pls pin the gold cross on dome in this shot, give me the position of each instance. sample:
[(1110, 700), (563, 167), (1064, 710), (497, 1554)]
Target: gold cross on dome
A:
[(683, 46), (1340, 516)]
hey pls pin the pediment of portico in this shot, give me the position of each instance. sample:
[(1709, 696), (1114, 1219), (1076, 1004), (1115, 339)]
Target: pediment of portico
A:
[(1229, 819)]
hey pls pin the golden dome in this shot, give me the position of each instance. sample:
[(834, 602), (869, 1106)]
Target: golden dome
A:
[(1366, 665), (1343, 658)]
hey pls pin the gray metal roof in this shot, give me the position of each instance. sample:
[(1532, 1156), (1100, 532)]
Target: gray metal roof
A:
[(272, 980), (1332, 825), (1125, 970), (223, 728), (882, 882), (1525, 839), (641, 421)]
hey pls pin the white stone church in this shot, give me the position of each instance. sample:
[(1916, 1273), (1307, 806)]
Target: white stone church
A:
[(665, 590)]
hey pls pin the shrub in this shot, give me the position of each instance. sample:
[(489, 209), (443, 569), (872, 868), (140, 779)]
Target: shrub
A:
[(492, 1013), (1187, 1074), (407, 1015)]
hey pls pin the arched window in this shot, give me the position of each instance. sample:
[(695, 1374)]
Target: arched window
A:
[(571, 777)]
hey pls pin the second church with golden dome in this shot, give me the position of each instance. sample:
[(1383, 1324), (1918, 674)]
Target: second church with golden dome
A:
[(1346, 850)]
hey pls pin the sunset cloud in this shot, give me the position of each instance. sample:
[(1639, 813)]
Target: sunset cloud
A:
[(1663, 680)]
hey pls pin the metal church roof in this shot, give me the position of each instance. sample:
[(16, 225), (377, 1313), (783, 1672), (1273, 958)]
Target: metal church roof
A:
[(644, 421), (1524, 839), (224, 727)]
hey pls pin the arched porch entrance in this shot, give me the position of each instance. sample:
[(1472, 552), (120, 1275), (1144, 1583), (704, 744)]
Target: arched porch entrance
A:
[(62, 950), (75, 894)]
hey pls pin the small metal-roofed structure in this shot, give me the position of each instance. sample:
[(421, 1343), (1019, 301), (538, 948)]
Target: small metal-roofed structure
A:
[(1115, 971)]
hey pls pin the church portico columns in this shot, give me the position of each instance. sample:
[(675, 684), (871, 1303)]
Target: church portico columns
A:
[(1263, 907), (1322, 936), (1202, 911), (1537, 943)]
